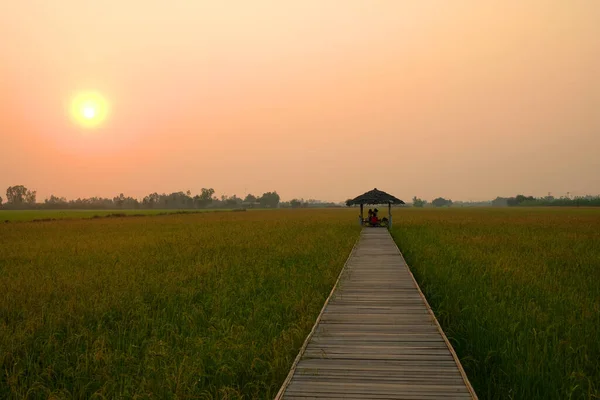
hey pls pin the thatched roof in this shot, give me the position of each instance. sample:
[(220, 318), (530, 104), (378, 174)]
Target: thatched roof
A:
[(375, 197)]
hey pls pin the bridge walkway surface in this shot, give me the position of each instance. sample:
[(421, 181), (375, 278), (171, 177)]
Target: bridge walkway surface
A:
[(376, 336)]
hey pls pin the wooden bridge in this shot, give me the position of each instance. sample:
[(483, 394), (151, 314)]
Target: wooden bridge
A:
[(376, 337)]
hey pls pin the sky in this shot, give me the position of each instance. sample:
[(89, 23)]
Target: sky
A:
[(323, 99)]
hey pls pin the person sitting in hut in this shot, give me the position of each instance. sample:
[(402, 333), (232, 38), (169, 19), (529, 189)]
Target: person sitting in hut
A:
[(369, 215), (373, 218)]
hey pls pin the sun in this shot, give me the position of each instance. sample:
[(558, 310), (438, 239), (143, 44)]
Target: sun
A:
[(89, 109), (89, 112)]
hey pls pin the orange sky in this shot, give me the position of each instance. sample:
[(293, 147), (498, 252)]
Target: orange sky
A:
[(321, 99)]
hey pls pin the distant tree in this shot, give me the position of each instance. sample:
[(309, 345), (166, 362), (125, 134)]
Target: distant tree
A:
[(129, 202), (418, 202), (19, 195), (269, 199), (500, 202), (250, 198), (178, 200), (16, 194), (205, 198), (151, 200), (207, 193), (519, 200), (233, 201), (441, 202), (295, 203), (119, 200), (0, 201), (56, 202), (93, 203), (30, 197)]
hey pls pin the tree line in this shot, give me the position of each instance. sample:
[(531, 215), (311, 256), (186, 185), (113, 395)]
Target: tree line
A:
[(20, 197), (515, 201), (546, 201), (437, 202)]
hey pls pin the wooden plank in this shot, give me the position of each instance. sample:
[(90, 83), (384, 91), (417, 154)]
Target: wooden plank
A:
[(408, 396), (376, 337), (380, 387), (383, 365)]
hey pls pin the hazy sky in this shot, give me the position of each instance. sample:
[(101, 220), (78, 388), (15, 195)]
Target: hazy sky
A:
[(321, 98)]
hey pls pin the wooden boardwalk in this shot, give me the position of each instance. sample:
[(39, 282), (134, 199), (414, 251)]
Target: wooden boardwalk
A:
[(376, 337)]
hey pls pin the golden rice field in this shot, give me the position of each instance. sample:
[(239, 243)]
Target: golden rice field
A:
[(212, 305), (216, 305), (43, 215)]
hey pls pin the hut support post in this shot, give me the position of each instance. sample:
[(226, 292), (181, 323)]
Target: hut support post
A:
[(390, 215), (361, 215)]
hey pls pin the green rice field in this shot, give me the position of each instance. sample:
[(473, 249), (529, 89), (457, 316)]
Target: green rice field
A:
[(217, 305), (517, 291)]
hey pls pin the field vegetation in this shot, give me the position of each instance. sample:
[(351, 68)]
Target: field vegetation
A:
[(45, 215), (211, 305), (517, 291), (216, 305)]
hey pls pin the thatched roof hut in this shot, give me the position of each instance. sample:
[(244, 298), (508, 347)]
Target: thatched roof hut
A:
[(375, 196)]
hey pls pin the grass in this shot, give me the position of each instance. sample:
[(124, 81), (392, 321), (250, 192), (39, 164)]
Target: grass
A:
[(216, 305), (517, 291), (33, 215), (212, 305)]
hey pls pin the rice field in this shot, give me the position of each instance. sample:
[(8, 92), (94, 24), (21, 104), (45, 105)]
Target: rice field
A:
[(216, 305), (517, 291), (45, 215), (212, 305)]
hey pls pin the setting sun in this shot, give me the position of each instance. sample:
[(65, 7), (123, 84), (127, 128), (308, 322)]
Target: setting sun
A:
[(89, 109), (89, 112)]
